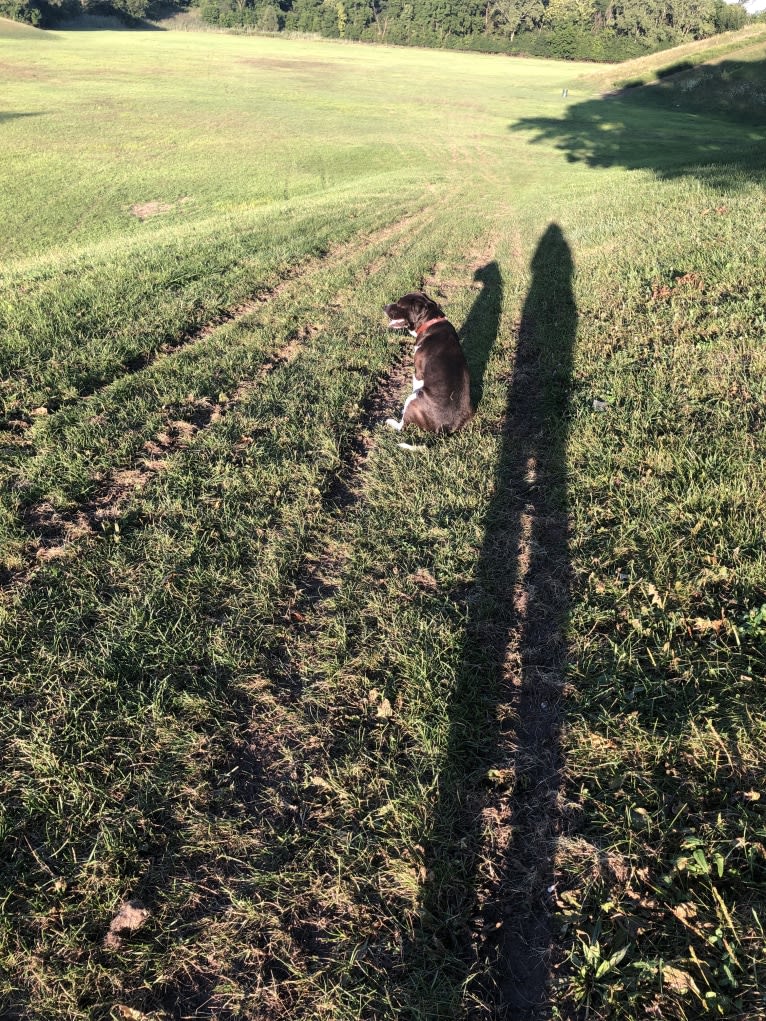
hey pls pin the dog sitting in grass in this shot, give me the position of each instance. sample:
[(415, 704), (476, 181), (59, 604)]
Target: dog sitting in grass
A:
[(440, 401)]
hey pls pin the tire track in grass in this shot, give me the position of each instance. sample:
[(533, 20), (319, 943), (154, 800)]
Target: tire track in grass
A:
[(385, 401), (19, 441), (21, 438), (17, 423), (273, 763), (271, 293), (174, 617), (352, 703), (488, 862), (59, 531), (67, 341)]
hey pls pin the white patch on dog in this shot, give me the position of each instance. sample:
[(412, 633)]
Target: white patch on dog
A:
[(417, 384), (413, 396)]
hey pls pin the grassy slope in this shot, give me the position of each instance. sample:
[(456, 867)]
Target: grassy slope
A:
[(17, 30), (278, 680), (647, 69)]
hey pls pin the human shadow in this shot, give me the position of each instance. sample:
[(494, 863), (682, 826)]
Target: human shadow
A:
[(479, 331), (707, 121), (501, 774)]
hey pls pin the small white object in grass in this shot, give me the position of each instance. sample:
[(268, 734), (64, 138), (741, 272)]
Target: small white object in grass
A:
[(599, 405), (385, 710)]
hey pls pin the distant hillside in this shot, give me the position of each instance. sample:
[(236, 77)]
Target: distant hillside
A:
[(725, 77), (667, 64), (15, 29)]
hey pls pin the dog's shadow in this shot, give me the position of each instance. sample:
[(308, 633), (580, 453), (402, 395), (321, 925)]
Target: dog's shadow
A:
[(479, 331)]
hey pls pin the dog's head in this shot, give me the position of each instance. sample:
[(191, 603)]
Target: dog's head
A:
[(411, 310)]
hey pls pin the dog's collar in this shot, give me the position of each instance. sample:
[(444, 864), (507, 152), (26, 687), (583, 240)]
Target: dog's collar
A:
[(429, 322)]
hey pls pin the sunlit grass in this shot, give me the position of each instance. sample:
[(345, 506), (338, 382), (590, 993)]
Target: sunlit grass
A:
[(250, 646)]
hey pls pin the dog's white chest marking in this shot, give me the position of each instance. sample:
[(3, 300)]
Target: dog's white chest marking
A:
[(417, 384)]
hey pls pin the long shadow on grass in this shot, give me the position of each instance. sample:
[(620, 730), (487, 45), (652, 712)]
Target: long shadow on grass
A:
[(479, 332), (6, 115), (708, 122), (491, 851)]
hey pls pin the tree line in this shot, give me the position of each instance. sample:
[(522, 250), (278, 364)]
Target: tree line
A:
[(572, 29)]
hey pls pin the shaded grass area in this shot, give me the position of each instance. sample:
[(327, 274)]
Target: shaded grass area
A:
[(732, 90), (663, 64), (621, 132), (701, 120)]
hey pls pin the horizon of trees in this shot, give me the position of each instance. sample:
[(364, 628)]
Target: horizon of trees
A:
[(570, 29)]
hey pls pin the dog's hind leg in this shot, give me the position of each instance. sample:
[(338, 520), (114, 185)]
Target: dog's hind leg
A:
[(419, 414), (400, 425)]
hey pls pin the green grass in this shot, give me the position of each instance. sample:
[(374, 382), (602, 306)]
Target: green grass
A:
[(664, 63), (359, 726)]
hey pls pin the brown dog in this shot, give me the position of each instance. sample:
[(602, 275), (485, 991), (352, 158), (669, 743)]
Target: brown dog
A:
[(441, 387)]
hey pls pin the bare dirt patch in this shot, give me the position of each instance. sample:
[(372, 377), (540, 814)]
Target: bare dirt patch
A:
[(129, 918), (14, 71), (146, 210), (277, 64)]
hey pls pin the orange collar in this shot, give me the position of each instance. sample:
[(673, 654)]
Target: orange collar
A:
[(424, 326)]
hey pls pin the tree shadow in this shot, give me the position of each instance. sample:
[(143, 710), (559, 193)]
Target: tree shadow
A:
[(105, 22), (501, 775), (7, 115), (707, 121), (479, 331)]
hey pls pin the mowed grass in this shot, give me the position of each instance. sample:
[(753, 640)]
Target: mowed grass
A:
[(333, 715)]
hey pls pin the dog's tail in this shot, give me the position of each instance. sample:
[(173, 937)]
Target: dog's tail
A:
[(409, 446)]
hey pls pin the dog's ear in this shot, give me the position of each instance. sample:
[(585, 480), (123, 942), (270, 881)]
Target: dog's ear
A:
[(423, 308)]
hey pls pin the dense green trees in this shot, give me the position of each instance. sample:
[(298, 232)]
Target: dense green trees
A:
[(49, 12), (595, 29), (589, 29)]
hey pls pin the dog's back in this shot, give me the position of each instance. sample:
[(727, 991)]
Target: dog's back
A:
[(444, 400), (441, 387)]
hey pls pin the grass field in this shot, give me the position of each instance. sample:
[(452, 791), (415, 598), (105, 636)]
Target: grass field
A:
[(297, 724)]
